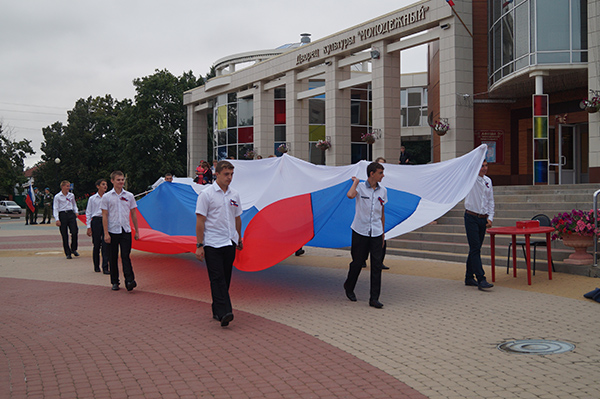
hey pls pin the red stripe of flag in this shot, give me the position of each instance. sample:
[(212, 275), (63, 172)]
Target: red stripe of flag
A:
[(450, 3)]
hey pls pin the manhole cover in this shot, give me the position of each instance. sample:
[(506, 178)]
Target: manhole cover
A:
[(536, 347)]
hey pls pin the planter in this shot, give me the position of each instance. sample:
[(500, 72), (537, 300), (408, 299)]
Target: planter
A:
[(369, 140), (579, 244), (591, 110), (441, 132)]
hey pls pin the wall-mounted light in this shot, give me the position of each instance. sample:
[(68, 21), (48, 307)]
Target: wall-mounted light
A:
[(445, 26), (328, 63), (375, 54)]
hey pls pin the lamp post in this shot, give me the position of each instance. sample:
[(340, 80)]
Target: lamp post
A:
[(57, 162)]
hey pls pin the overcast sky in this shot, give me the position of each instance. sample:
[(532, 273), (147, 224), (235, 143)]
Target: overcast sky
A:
[(53, 53)]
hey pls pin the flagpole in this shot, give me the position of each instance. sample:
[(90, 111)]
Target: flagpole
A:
[(460, 19)]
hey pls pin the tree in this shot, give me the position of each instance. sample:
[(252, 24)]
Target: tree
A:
[(12, 161), (154, 135)]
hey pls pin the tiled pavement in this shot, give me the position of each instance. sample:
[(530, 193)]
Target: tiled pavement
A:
[(64, 333)]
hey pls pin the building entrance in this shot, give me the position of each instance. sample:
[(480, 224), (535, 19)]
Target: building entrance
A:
[(568, 163)]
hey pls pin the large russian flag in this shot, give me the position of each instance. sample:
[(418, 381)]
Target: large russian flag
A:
[(289, 203)]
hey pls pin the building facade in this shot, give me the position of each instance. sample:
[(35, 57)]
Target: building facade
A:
[(485, 64)]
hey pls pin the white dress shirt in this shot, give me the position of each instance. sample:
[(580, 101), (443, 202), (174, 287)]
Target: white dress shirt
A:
[(220, 209), (481, 197), (93, 209), (119, 207), (64, 203), (369, 209)]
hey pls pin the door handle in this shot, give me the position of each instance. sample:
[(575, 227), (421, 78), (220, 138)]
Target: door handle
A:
[(563, 160)]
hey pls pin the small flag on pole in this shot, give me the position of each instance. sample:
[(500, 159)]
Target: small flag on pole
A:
[(450, 3)]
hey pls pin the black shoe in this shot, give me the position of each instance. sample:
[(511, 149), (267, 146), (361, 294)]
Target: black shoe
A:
[(471, 282), (115, 287), (376, 304), (384, 267), (217, 318), (364, 265), (97, 270), (484, 284), (130, 285), (48, 222), (34, 223), (350, 294), (75, 253), (226, 319), (300, 252), (69, 257), (26, 224), (592, 294), (105, 272)]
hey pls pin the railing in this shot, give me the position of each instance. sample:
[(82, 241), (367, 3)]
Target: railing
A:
[(596, 222)]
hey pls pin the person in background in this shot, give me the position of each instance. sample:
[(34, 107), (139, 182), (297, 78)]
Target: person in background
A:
[(39, 204), (48, 200), (479, 213), (207, 176), (93, 215), (213, 169), (404, 156), (65, 214), (169, 177), (118, 205)]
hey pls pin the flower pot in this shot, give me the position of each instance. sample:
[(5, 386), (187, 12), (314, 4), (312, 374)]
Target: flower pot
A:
[(369, 140), (591, 110), (580, 244), (441, 132)]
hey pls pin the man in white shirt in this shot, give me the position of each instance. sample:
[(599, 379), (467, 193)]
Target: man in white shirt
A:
[(65, 213), (218, 233), (93, 214), (368, 229), (117, 206), (479, 213)]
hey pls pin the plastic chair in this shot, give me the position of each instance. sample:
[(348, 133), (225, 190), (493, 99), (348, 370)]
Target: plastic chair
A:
[(544, 221)]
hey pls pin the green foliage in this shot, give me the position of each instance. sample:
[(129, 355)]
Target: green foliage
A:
[(12, 157), (145, 139)]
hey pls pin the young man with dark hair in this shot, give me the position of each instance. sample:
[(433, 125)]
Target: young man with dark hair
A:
[(367, 231), (479, 214), (117, 206), (65, 214), (169, 177), (218, 234), (93, 214)]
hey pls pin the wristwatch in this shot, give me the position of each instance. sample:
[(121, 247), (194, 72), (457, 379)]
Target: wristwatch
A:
[(199, 245)]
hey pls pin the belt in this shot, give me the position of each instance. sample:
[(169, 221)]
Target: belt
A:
[(97, 217), (66, 211), (479, 215)]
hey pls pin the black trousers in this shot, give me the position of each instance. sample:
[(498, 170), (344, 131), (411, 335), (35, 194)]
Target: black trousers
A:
[(219, 264), (362, 247), (99, 244), (475, 227), (123, 241), (68, 220)]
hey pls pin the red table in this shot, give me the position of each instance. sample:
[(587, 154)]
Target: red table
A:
[(527, 232)]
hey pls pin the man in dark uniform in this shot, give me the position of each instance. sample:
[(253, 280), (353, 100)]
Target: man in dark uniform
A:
[(48, 202)]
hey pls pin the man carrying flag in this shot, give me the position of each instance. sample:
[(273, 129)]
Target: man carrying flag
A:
[(30, 201)]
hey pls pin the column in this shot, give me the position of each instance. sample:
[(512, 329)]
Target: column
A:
[(264, 132), (594, 83), (456, 78), (386, 103), (197, 138), (296, 114), (337, 115)]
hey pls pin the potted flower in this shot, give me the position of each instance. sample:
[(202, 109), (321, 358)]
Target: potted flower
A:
[(440, 127), (250, 154), (576, 229), (368, 138), (323, 145), (282, 148), (592, 105)]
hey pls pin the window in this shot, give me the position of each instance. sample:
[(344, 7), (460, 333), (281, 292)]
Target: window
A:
[(413, 102)]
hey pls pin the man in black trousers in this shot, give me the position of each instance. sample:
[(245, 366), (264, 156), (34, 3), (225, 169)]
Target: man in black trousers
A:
[(368, 236), (218, 234), (65, 214)]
